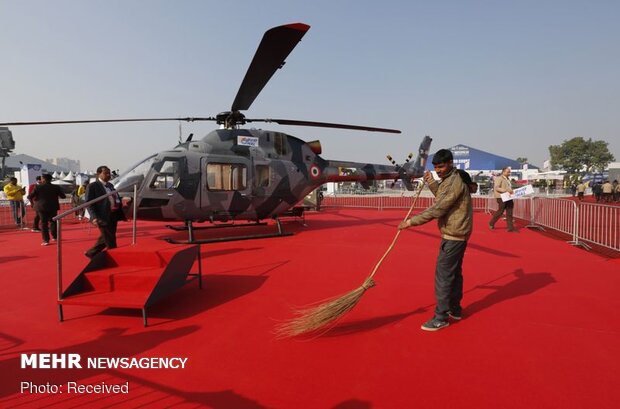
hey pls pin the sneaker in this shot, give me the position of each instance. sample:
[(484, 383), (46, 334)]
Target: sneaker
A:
[(434, 324), (35, 230), (45, 243), (491, 227), (455, 316)]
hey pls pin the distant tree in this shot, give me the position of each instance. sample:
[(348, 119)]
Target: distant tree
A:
[(522, 160), (577, 155)]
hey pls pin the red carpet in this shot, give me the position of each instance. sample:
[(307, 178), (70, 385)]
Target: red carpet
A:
[(541, 325)]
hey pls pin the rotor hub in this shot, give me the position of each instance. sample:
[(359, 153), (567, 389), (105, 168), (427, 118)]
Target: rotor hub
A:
[(230, 119)]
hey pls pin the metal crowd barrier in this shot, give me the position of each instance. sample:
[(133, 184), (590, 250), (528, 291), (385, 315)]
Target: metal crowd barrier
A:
[(556, 214), (381, 202), (585, 223), (6, 216), (480, 202), (599, 224)]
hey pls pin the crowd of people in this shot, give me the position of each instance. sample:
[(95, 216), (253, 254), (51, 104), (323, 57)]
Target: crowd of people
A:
[(603, 192), (44, 198)]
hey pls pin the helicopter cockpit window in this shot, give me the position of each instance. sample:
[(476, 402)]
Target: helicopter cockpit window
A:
[(279, 144), (226, 176), (135, 175), (167, 177)]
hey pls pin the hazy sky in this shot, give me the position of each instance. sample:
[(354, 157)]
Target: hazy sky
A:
[(509, 77)]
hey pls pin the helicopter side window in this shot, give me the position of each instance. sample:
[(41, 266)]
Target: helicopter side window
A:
[(279, 144), (262, 176), (226, 176), (167, 177)]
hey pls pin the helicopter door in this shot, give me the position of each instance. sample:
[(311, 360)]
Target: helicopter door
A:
[(227, 185)]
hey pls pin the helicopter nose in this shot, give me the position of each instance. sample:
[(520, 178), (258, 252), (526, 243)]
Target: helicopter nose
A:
[(126, 184)]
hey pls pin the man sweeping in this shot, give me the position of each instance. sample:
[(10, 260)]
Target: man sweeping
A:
[(453, 211)]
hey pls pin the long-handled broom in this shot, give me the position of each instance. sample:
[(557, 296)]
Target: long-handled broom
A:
[(313, 318)]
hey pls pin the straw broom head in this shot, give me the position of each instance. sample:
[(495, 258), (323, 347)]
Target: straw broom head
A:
[(311, 319)]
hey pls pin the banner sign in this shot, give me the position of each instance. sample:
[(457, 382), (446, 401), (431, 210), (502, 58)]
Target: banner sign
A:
[(522, 191), (247, 141)]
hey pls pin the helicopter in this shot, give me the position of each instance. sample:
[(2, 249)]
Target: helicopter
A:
[(234, 173)]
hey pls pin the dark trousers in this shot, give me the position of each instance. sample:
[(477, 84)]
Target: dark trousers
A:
[(449, 278), (107, 237), (18, 210), (501, 206), (46, 224), (36, 224)]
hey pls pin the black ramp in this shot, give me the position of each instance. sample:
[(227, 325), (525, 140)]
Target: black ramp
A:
[(276, 45)]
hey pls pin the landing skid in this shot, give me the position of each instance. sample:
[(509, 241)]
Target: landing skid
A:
[(215, 226), (191, 240)]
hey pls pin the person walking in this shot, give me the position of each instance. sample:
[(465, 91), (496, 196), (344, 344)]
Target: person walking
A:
[(454, 213), (15, 194), (45, 197), (597, 191), (36, 224), (581, 188), (608, 191), (104, 214), (502, 185)]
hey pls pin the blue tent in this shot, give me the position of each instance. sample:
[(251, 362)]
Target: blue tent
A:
[(468, 158)]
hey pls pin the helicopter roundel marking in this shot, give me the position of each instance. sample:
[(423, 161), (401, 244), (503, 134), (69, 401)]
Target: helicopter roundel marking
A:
[(315, 172)]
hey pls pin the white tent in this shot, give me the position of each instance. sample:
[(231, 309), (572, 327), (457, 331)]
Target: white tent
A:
[(70, 177), (62, 175), (61, 183), (55, 175)]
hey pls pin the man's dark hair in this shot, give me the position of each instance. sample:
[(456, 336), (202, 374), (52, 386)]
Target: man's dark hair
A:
[(101, 168), (47, 177), (442, 156), (13, 179), (37, 178)]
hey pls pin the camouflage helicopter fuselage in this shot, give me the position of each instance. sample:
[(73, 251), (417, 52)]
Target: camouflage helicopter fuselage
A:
[(241, 174)]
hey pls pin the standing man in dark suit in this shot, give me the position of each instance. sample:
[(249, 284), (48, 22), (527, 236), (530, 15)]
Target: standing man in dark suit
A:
[(104, 214), (45, 198)]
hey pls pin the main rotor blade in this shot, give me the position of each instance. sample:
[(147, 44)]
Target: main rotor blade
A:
[(276, 45), (324, 125), (92, 121)]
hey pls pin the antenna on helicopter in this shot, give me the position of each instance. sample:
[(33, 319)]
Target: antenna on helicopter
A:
[(189, 138)]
